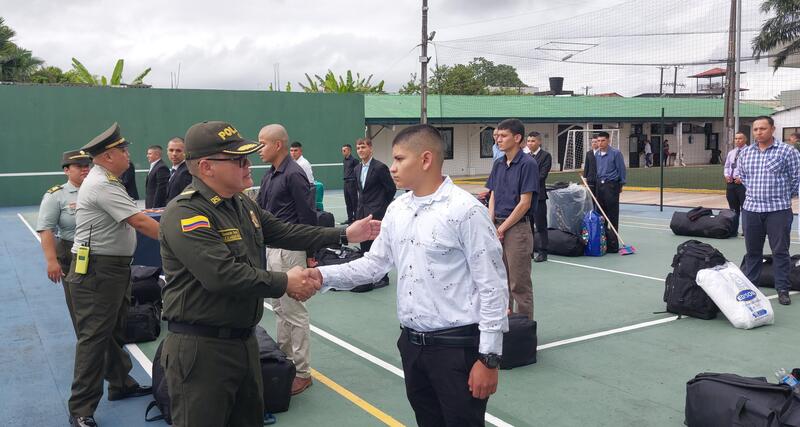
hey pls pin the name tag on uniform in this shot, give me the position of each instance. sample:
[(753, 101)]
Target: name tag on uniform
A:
[(230, 235)]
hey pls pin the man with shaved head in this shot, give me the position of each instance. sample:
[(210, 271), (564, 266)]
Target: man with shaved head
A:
[(286, 193), (452, 291)]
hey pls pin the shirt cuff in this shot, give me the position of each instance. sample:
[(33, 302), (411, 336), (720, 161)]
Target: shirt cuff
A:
[(491, 342)]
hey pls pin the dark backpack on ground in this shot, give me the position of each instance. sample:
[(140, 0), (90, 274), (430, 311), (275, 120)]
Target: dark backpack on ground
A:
[(341, 255), (160, 391), (145, 286), (277, 371), (519, 343), (325, 219), (681, 292), (767, 276), (705, 224), (724, 400), (561, 243), (143, 323)]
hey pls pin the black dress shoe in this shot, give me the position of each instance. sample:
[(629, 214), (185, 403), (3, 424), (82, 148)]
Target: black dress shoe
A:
[(783, 298), (541, 257), (130, 392), (82, 421)]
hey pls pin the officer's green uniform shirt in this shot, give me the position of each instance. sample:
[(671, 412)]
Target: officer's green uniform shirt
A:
[(57, 211), (213, 255), (104, 205)]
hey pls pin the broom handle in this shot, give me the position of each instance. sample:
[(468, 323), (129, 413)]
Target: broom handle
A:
[(601, 210)]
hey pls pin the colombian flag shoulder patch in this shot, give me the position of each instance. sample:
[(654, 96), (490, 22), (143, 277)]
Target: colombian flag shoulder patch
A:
[(193, 223)]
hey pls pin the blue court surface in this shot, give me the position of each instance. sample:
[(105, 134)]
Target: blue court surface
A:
[(607, 357)]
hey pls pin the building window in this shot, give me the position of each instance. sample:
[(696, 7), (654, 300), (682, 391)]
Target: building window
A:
[(487, 140), (447, 137), (789, 131), (655, 129)]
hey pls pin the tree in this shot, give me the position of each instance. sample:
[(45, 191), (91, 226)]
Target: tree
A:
[(456, 80), (331, 84), (84, 76), (500, 75), (16, 64), (782, 31), (411, 87), (53, 75)]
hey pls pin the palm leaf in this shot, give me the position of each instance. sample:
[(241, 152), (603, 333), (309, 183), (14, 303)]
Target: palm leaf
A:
[(83, 74), (116, 75), (138, 80)]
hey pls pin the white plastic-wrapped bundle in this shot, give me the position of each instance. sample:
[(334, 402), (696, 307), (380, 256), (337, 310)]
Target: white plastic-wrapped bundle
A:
[(739, 300), (566, 208)]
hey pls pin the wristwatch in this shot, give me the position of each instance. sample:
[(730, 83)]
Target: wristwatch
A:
[(343, 237), (491, 360)]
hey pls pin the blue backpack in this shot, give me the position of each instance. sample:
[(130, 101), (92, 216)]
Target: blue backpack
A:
[(593, 233)]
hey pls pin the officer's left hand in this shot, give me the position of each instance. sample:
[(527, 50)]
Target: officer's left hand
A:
[(482, 380), (364, 229)]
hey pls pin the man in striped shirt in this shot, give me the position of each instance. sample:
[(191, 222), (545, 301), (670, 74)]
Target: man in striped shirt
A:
[(769, 170)]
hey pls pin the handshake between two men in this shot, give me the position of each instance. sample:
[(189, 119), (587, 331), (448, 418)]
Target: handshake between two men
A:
[(302, 283)]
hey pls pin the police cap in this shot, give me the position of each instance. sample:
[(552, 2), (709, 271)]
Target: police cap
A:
[(75, 157), (110, 138), (207, 138)]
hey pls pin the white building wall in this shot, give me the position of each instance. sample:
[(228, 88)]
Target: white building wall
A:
[(786, 119)]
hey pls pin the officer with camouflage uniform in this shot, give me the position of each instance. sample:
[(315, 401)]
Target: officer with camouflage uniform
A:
[(56, 221), (106, 222), (213, 241)]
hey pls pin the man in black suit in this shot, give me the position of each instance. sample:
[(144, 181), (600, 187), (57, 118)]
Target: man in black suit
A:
[(545, 161), (590, 166), (350, 182), (128, 179), (376, 190), (179, 176), (157, 179)]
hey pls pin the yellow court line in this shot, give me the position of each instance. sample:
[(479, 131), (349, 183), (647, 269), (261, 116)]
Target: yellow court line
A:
[(361, 403)]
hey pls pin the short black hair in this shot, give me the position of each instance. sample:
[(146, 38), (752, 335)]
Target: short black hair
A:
[(155, 147), (296, 144), (795, 134), (348, 146), (534, 134), (176, 138), (514, 125), (767, 118), (603, 135), (420, 138)]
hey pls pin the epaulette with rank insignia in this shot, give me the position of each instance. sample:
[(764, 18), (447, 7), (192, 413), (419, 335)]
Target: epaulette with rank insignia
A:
[(185, 195), (111, 177), (54, 189)]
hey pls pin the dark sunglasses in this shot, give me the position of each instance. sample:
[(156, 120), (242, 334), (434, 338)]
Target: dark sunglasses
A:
[(241, 160)]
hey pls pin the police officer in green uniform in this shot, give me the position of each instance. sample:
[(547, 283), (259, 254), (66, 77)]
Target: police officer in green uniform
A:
[(56, 221), (213, 242), (106, 223)]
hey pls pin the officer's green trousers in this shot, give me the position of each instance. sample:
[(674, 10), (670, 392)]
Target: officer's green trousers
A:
[(100, 300), (64, 257), (213, 382)]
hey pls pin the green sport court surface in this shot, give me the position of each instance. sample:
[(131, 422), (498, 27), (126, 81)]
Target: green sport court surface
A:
[(605, 357)]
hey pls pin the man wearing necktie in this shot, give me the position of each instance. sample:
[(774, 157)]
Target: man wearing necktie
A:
[(735, 190), (179, 176)]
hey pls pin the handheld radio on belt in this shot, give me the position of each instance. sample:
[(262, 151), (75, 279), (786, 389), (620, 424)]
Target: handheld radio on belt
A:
[(82, 260)]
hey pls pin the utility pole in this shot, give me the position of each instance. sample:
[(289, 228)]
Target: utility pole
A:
[(738, 92), (423, 60), (675, 80), (661, 83), (732, 82), (586, 89)]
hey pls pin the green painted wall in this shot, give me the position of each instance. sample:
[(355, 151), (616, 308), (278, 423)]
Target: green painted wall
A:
[(38, 123)]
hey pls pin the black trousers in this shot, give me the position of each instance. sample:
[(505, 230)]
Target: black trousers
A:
[(778, 227), (608, 196), (735, 194), (436, 384), (351, 198), (540, 222)]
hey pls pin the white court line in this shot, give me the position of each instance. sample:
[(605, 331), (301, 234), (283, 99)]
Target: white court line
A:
[(382, 363), (133, 349), (607, 270)]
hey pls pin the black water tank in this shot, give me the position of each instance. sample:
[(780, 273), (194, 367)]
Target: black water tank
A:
[(556, 85)]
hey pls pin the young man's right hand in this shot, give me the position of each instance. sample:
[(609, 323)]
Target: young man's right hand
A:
[(300, 285)]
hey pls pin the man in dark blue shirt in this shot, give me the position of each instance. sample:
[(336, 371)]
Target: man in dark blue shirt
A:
[(286, 193), (350, 184), (514, 184), (610, 179)]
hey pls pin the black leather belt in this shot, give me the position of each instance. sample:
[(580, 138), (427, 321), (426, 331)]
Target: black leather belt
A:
[(210, 331), (603, 181), (463, 336), (500, 220)]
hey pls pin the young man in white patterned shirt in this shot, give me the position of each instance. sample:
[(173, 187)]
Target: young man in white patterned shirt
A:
[(452, 291)]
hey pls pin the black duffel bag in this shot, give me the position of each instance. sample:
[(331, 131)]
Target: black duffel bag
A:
[(560, 242), (519, 343), (718, 226), (341, 255), (143, 323), (160, 391), (277, 371), (724, 400), (681, 292), (767, 277), (145, 286)]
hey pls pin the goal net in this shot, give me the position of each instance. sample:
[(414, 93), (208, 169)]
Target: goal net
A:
[(579, 142)]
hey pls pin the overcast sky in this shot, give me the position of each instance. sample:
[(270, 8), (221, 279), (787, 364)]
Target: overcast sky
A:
[(236, 44)]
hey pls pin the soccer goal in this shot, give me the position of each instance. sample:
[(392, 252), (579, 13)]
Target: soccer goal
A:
[(579, 142)]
